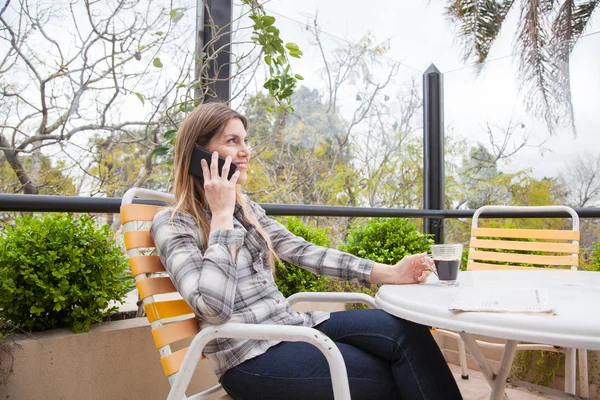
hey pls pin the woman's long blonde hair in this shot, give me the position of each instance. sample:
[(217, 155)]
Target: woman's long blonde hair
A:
[(204, 123)]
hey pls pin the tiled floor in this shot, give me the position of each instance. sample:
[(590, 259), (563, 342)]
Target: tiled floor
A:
[(476, 388)]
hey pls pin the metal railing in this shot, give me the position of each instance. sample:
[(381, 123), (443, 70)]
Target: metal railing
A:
[(107, 205)]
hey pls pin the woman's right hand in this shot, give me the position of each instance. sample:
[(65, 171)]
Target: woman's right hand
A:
[(220, 192)]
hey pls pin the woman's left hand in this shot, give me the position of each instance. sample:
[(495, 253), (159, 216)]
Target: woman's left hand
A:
[(411, 269)]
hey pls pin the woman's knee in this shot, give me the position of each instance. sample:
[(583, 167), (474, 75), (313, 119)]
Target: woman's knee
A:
[(370, 322), (405, 332)]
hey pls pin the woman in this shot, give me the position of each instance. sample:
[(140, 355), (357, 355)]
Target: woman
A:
[(218, 248)]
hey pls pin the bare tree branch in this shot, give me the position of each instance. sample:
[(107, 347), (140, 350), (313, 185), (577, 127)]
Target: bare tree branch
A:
[(4, 7)]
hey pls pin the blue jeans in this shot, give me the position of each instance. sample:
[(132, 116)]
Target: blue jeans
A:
[(386, 358)]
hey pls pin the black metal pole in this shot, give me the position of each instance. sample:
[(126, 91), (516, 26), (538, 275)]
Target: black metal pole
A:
[(217, 16), (200, 11), (433, 151)]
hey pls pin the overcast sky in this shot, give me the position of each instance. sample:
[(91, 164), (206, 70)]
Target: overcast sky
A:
[(420, 34)]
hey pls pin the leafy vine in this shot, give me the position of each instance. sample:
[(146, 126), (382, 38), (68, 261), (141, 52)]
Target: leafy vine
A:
[(276, 54), (281, 82)]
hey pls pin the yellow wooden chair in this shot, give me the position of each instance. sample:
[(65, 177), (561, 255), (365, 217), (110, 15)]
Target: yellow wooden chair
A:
[(527, 248), (172, 320)]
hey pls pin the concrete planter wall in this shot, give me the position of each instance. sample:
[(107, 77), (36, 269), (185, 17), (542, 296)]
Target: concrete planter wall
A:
[(115, 360)]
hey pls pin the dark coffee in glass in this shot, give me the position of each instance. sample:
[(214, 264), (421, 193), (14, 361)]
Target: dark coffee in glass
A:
[(447, 270)]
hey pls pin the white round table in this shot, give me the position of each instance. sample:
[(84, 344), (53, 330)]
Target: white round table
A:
[(575, 296)]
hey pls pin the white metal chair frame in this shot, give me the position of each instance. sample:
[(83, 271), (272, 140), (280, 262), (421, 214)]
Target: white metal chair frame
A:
[(512, 346), (180, 381)]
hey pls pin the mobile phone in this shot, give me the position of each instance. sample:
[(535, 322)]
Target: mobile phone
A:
[(196, 168)]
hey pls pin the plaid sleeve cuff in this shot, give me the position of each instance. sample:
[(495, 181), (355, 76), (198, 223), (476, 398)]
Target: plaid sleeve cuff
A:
[(226, 237), (363, 273)]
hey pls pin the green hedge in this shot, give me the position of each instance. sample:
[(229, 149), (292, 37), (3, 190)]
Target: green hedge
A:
[(386, 240), (291, 279), (59, 271), (594, 262)]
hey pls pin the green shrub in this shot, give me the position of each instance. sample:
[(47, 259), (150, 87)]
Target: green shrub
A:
[(291, 279), (464, 259), (59, 271), (386, 240), (537, 366), (594, 262)]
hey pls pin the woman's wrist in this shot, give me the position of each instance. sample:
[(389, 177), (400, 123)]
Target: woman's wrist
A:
[(381, 273), (221, 221)]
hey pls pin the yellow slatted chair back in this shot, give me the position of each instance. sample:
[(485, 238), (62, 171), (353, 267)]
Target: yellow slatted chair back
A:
[(170, 317), (502, 248)]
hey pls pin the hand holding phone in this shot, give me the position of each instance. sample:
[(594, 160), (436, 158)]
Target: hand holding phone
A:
[(200, 154)]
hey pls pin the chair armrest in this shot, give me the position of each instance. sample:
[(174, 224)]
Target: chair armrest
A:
[(332, 297), (339, 376)]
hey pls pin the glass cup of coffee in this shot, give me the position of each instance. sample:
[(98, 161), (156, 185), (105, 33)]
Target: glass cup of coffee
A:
[(446, 258)]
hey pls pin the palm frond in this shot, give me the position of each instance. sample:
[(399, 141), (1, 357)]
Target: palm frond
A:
[(545, 38), (560, 50), (541, 75), (569, 23), (581, 17), (479, 23), (545, 64), (562, 28)]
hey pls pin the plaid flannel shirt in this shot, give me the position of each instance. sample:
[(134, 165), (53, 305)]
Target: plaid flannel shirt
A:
[(222, 289)]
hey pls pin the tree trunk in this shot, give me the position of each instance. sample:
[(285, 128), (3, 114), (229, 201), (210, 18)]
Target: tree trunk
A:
[(35, 172), (17, 166)]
